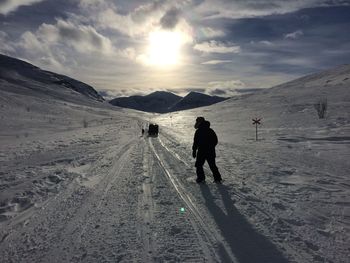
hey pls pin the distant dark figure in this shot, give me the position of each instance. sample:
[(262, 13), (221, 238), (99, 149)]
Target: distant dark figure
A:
[(153, 130), (143, 131), (204, 143)]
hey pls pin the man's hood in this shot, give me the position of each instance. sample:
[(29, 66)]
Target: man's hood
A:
[(204, 125)]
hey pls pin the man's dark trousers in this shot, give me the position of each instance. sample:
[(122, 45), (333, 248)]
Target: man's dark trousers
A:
[(210, 158)]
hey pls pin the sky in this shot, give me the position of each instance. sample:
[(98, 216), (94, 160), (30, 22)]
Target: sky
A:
[(218, 47)]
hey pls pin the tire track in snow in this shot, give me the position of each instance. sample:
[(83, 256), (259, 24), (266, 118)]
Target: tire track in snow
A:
[(23, 217), (65, 218), (239, 195), (118, 165), (146, 207), (251, 245), (211, 236)]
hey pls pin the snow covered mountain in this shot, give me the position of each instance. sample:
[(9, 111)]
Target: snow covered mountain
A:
[(22, 77), (195, 100), (162, 102), (158, 101), (78, 182)]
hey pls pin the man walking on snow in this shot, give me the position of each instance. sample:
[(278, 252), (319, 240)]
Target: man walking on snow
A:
[(204, 143)]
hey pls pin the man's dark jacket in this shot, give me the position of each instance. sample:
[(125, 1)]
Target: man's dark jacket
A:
[(205, 140)]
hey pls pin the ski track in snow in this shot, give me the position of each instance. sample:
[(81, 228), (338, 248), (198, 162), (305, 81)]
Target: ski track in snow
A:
[(83, 222), (211, 236), (235, 238)]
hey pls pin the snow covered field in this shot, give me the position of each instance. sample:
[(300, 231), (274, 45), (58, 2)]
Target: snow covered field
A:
[(78, 182)]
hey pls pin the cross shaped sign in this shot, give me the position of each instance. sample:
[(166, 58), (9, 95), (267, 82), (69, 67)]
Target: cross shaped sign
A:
[(256, 121)]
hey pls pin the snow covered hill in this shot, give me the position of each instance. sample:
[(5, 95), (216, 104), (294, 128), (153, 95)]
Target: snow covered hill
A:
[(78, 182), (158, 101), (23, 78), (163, 102), (195, 100)]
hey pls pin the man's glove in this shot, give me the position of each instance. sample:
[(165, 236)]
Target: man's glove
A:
[(194, 154)]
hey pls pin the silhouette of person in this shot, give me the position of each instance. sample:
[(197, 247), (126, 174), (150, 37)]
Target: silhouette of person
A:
[(203, 148), (143, 131)]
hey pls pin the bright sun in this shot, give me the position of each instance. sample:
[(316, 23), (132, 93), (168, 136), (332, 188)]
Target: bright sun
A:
[(164, 48)]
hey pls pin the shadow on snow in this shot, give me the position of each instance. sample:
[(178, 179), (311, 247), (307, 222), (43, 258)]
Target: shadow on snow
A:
[(245, 242)]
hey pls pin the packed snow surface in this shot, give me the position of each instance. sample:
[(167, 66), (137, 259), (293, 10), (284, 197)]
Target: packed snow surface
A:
[(78, 182)]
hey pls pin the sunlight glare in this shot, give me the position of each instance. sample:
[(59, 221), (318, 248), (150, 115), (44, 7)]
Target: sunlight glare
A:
[(164, 48)]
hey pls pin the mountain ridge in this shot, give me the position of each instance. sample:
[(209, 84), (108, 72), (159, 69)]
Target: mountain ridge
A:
[(164, 101), (195, 100)]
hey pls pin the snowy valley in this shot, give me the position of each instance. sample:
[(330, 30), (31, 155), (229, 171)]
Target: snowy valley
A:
[(78, 182)]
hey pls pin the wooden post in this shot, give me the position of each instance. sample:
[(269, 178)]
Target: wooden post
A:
[(256, 122)]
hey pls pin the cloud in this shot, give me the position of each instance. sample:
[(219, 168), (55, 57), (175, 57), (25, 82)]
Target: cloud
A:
[(170, 19), (109, 19), (211, 9), (40, 53), (57, 46), (213, 46), (138, 22), (266, 43), (215, 62), (8, 6), (209, 32), (184, 91), (294, 35), (5, 47), (82, 38), (110, 94), (91, 3), (135, 27), (225, 88)]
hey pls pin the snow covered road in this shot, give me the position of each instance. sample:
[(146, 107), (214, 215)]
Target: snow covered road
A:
[(122, 199)]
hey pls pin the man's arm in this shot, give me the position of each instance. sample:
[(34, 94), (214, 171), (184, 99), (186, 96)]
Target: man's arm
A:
[(195, 144), (195, 141), (214, 138)]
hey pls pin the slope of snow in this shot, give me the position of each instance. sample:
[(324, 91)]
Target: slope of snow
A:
[(292, 184), (24, 78), (80, 184)]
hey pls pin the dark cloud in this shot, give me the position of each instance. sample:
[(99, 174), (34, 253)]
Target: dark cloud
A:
[(170, 18), (30, 17), (297, 48), (269, 27), (8, 6), (143, 12)]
